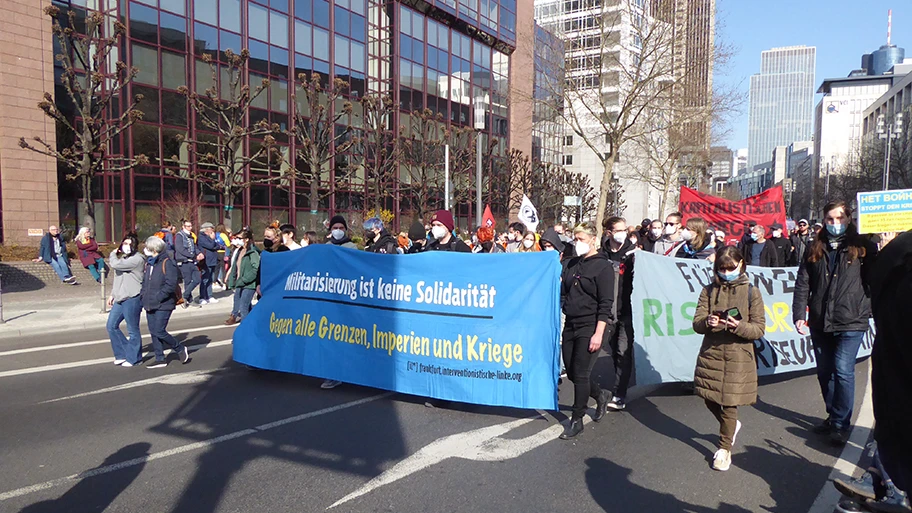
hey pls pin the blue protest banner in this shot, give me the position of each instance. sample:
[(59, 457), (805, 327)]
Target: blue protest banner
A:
[(479, 329)]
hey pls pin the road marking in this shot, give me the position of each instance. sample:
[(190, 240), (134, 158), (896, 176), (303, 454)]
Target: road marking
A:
[(484, 444), (101, 341), (851, 455), (184, 378), (85, 363), (182, 449)]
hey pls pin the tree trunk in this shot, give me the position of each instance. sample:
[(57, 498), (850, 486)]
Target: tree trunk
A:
[(229, 209), (604, 191), (89, 218)]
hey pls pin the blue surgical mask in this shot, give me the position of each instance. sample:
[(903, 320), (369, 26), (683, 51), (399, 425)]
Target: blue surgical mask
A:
[(836, 229), (730, 275), (755, 236)]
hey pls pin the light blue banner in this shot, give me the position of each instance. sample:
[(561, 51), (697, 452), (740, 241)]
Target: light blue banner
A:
[(479, 329)]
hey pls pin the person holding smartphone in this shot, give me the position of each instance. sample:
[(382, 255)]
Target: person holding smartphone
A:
[(730, 316)]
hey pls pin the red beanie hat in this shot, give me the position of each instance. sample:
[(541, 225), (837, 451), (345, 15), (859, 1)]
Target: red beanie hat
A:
[(445, 218)]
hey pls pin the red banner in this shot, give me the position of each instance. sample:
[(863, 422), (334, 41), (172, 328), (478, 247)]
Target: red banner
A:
[(764, 209)]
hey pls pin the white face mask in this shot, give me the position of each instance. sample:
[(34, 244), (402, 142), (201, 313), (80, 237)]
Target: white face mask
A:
[(237, 243), (438, 232), (126, 250), (528, 244), (670, 229), (720, 235), (687, 235), (550, 248), (338, 234), (582, 249), (620, 237), (777, 233), (657, 232), (148, 252)]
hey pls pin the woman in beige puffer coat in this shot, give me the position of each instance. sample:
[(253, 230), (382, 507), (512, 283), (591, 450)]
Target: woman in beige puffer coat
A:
[(730, 316)]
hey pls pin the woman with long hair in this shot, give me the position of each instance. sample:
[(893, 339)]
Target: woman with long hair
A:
[(88, 252), (730, 316), (310, 237), (697, 244), (125, 301), (529, 243), (832, 299)]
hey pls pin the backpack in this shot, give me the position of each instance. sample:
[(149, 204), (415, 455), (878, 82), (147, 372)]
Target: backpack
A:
[(178, 293), (160, 234)]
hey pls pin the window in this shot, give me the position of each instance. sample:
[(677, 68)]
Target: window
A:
[(568, 140), (176, 6), (303, 38), (146, 60), (174, 73), (568, 160), (321, 44), (206, 11), (230, 15), (278, 30), (258, 22)]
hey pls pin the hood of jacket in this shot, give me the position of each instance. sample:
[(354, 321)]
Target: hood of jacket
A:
[(619, 255), (552, 237)]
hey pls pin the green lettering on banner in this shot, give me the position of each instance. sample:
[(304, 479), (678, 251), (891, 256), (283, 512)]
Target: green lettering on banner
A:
[(688, 310), (652, 309), (669, 319)]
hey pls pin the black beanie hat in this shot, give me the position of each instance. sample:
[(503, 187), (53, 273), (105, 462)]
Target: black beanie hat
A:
[(416, 231), (338, 219)]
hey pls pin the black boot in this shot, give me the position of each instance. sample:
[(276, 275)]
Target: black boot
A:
[(601, 405), (575, 428)]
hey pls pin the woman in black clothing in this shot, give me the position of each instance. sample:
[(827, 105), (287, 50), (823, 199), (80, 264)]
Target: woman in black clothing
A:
[(588, 291)]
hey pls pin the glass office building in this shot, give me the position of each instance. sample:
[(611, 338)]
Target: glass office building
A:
[(442, 55)]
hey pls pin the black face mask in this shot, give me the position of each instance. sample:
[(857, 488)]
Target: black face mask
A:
[(267, 243)]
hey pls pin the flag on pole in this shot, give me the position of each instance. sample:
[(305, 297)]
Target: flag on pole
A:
[(487, 219), (528, 215)]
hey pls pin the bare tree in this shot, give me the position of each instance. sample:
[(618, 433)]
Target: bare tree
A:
[(224, 157), (379, 150), (95, 81), (422, 157)]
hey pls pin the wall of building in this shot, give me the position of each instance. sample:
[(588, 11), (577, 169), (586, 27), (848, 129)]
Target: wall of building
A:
[(839, 122)]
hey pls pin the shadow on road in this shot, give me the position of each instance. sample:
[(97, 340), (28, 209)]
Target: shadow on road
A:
[(96, 493)]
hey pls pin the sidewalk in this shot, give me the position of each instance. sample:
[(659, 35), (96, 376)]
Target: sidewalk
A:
[(66, 308)]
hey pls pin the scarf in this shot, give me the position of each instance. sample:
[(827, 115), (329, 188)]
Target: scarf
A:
[(240, 256)]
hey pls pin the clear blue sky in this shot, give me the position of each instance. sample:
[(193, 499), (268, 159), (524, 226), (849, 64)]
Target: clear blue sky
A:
[(842, 30)]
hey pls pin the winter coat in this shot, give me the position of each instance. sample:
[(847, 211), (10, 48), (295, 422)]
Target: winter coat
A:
[(726, 370), (46, 250), (891, 360), (345, 242), (250, 266), (185, 248), (768, 256), (385, 244), (783, 247), (210, 248), (589, 290), (160, 281), (624, 260), (701, 253), (455, 245), (554, 239), (667, 247), (837, 302), (128, 275), (88, 252), (800, 244)]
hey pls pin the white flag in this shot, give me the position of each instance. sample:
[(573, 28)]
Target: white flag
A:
[(528, 215)]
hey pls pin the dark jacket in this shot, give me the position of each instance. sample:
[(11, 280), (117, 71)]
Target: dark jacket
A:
[(726, 370), (647, 244), (161, 279), (210, 248), (768, 257), (589, 288), (800, 244), (345, 242), (552, 237), (891, 361), (783, 250), (385, 244), (455, 244), (46, 250), (250, 269), (836, 301), (624, 260), (185, 250), (88, 252)]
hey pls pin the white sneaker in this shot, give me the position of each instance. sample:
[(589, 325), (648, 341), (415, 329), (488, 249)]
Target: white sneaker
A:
[(737, 428), (722, 460), (118, 361), (203, 302), (126, 364), (330, 383), (212, 300)]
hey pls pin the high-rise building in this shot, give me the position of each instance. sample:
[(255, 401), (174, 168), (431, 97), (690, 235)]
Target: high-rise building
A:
[(547, 124), (781, 101)]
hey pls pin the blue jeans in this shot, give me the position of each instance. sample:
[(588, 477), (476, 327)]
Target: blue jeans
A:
[(836, 354), (242, 299), (61, 265), (208, 274), (124, 348), (158, 328), (97, 268), (191, 277)]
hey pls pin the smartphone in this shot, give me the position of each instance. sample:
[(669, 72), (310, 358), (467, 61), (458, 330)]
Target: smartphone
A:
[(734, 313)]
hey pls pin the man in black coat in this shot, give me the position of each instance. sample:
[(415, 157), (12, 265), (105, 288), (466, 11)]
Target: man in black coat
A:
[(801, 239), (442, 229), (783, 245), (760, 251)]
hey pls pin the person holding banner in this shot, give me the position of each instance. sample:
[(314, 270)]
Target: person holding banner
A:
[(338, 233), (588, 293), (619, 249), (379, 240), (831, 298), (442, 229), (730, 316)]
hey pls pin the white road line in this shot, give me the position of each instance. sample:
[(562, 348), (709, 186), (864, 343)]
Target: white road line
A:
[(182, 449), (847, 463), (102, 341), (184, 378), (85, 363)]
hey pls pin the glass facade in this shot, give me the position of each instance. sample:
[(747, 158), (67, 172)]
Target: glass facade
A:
[(424, 61), (547, 125)]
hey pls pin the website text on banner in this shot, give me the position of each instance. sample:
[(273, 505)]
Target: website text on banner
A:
[(764, 209), (665, 293), (443, 325), (885, 211)]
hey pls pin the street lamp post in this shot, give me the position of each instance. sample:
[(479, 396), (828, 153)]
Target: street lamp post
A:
[(480, 111), (888, 133)]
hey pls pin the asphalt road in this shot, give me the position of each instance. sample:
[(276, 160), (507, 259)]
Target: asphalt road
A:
[(81, 435)]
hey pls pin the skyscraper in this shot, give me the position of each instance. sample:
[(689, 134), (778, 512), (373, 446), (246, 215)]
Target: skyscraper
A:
[(781, 101)]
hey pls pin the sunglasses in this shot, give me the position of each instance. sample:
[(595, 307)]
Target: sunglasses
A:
[(671, 224)]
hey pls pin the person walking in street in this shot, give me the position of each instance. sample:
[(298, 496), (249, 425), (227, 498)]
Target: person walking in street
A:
[(671, 241), (338, 233), (125, 301), (166, 233), (209, 244), (159, 300), (782, 244), (588, 292), (800, 242), (832, 291), (188, 256), (442, 230), (620, 250), (53, 252), (698, 243), (760, 251), (730, 316), (377, 239), (87, 249), (242, 275), (224, 240)]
